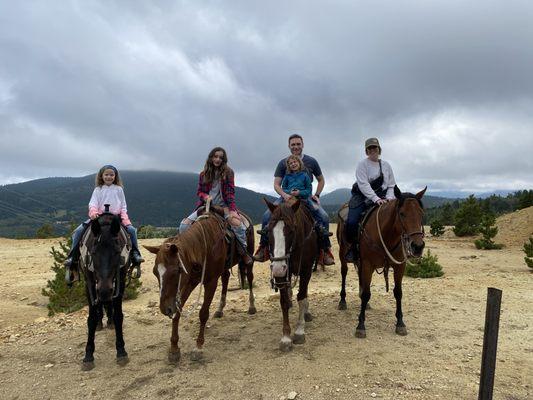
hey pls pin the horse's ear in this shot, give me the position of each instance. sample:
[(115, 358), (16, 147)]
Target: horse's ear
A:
[(421, 193), (271, 206), (397, 192), (115, 226), (296, 205), (95, 227), (152, 249), (172, 248)]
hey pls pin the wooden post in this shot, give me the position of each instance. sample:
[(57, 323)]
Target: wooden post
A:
[(490, 343)]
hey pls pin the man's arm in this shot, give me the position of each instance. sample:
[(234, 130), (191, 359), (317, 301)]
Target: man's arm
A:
[(278, 189), (320, 186)]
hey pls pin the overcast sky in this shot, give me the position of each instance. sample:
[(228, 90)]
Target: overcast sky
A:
[(447, 87)]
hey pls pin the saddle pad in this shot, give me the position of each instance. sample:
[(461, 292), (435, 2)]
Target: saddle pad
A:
[(343, 212), (87, 242)]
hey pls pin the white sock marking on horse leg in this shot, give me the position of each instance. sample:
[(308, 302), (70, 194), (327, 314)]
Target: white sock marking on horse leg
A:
[(303, 306), (161, 269), (286, 340)]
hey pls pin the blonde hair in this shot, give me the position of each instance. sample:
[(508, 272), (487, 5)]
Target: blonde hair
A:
[(99, 180), (294, 157)]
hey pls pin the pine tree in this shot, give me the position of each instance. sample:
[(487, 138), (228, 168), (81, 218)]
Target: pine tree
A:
[(424, 267), (528, 249), (436, 228), (468, 218), (45, 231), (489, 231)]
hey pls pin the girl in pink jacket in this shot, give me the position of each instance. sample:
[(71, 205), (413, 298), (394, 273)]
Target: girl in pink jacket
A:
[(108, 190)]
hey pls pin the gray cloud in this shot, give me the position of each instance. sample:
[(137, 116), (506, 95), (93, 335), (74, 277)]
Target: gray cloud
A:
[(447, 87)]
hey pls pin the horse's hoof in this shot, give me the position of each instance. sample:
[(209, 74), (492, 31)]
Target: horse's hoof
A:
[(197, 355), (218, 314), (173, 358), (360, 333), (298, 339), (401, 330), (285, 346), (252, 310), (308, 317), (99, 326), (342, 305), (110, 325), (123, 360), (87, 365)]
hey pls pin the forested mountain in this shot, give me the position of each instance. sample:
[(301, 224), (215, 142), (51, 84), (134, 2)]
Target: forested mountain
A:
[(154, 198)]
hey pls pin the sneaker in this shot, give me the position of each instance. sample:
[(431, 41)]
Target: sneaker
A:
[(262, 255), (328, 258)]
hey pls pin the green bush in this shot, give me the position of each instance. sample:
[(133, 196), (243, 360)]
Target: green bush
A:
[(424, 267), (528, 249), (436, 228), (468, 218), (61, 298), (45, 231), (489, 231)]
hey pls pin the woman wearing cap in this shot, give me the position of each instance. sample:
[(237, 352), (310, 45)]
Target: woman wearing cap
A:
[(374, 185)]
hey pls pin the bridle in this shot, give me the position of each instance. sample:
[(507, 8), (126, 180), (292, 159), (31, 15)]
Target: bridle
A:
[(405, 237)]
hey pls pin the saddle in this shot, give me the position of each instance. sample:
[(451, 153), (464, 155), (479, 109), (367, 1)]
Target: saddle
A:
[(343, 216), (87, 242), (229, 236)]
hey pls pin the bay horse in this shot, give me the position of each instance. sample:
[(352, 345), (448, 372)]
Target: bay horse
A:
[(104, 261), (196, 257), (392, 233), (293, 249)]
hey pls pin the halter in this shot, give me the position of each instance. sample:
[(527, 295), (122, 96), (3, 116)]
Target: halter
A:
[(404, 237)]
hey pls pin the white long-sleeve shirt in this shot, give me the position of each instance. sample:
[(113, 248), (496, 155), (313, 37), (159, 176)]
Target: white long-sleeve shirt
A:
[(112, 195), (367, 171)]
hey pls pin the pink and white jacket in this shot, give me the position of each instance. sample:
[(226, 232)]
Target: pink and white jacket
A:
[(112, 195)]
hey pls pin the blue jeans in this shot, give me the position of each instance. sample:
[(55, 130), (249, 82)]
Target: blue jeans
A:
[(352, 222), (319, 214), (78, 233)]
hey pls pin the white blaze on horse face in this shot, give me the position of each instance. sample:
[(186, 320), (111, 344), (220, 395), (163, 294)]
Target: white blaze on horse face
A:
[(161, 269), (279, 267)]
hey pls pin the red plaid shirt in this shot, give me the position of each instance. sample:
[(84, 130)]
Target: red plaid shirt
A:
[(227, 189)]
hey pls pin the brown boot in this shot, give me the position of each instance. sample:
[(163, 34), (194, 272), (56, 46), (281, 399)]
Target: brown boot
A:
[(261, 255), (326, 257), (245, 257)]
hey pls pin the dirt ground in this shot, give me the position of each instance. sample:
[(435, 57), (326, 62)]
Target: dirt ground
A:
[(439, 358)]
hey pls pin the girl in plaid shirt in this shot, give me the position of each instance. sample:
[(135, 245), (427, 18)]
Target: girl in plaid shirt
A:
[(216, 182)]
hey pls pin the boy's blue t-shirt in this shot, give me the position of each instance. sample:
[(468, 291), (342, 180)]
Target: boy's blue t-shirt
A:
[(297, 180), (310, 164)]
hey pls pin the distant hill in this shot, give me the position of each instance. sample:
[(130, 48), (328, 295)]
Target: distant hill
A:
[(340, 196), (154, 198)]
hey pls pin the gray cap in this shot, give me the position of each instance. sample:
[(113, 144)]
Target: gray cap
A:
[(372, 142)]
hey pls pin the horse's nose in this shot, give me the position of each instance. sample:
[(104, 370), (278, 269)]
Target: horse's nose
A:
[(417, 248), (104, 295), (279, 269)]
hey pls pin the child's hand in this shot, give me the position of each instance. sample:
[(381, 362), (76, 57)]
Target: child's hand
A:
[(93, 216), (295, 192)]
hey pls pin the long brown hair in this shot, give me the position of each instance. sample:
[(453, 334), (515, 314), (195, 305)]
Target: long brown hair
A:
[(210, 171), (99, 180)]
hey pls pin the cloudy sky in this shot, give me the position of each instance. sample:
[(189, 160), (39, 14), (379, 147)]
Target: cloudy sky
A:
[(447, 87)]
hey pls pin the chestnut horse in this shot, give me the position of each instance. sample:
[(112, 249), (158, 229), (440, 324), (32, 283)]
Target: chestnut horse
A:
[(392, 233), (197, 256), (293, 252)]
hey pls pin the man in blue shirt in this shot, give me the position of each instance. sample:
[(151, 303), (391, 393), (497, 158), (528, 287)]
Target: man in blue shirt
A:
[(296, 146)]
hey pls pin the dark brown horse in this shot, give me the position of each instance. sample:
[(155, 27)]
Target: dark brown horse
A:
[(392, 233), (293, 252), (104, 263), (198, 256)]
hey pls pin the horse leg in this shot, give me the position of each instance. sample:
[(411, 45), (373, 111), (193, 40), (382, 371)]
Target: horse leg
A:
[(303, 308), (174, 351), (110, 316), (401, 329), (100, 316), (286, 341), (209, 293), (92, 321), (344, 272), (365, 278), (225, 279), (251, 298)]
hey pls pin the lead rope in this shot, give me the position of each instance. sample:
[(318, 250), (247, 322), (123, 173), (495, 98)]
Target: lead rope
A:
[(383, 243)]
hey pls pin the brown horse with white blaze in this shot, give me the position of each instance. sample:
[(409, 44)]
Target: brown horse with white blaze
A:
[(392, 233), (196, 257), (293, 252)]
